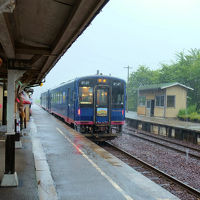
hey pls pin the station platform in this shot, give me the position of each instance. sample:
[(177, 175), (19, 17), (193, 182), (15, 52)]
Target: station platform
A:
[(173, 122), (25, 168), (56, 162)]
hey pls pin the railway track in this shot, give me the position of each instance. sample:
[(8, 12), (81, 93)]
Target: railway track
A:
[(149, 169), (187, 150), (163, 139)]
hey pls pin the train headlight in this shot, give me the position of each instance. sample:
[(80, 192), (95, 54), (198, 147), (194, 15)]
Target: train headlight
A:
[(79, 111), (102, 80)]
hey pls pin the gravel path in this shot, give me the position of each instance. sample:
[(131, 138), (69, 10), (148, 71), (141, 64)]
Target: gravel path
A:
[(169, 161)]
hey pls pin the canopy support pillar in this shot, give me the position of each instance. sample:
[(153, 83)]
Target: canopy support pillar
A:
[(10, 176)]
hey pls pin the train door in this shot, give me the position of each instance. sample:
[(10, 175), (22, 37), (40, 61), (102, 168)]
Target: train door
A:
[(102, 105), (68, 101)]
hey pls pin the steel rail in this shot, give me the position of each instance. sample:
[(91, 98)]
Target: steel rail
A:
[(162, 139), (169, 177)]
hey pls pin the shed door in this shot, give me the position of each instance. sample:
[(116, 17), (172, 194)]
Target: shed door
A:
[(150, 107)]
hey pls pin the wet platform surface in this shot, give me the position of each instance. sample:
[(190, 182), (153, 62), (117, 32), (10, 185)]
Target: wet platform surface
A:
[(165, 121), (82, 170), (24, 165)]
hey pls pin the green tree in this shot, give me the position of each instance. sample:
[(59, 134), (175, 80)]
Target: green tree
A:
[(185, 70), (142, 76)]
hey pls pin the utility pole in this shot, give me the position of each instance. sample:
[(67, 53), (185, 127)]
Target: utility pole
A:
[(128, 72), (127, 87)]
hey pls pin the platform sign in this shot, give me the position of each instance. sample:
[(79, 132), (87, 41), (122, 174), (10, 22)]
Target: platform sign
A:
[(102, 112)]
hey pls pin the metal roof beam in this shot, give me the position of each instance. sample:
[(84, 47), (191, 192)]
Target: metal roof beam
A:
[(34, 59), (6, 38), (28, 50)]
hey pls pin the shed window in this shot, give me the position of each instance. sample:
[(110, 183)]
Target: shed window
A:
[(142, 100), (148, 103), (170, 101), (159, 100)]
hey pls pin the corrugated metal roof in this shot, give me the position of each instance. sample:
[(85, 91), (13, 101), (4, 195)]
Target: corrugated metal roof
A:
[(162, 86)]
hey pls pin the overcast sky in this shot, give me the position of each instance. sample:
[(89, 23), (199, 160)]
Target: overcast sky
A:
[(130, 32)]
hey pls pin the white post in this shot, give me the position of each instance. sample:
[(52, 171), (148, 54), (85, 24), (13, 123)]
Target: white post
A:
[(10, 176), (11, 102)]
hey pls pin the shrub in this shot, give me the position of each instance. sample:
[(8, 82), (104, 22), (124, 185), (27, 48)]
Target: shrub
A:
[(194, 116), (189, 114), (191, 109), (181, 112)]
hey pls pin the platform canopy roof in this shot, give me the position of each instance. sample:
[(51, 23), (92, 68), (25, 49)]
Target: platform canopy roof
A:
[(34, 34)]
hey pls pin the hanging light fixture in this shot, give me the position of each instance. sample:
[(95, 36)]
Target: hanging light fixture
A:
[(1, 62)]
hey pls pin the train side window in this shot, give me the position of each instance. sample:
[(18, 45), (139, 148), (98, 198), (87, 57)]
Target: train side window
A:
[(60, 97), (68, 95), (64, 97)]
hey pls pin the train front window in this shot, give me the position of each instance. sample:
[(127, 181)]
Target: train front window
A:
[(85, 95), (117, 93), (102, 97)]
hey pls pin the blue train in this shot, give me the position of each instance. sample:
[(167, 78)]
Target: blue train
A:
[(94, 105)]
